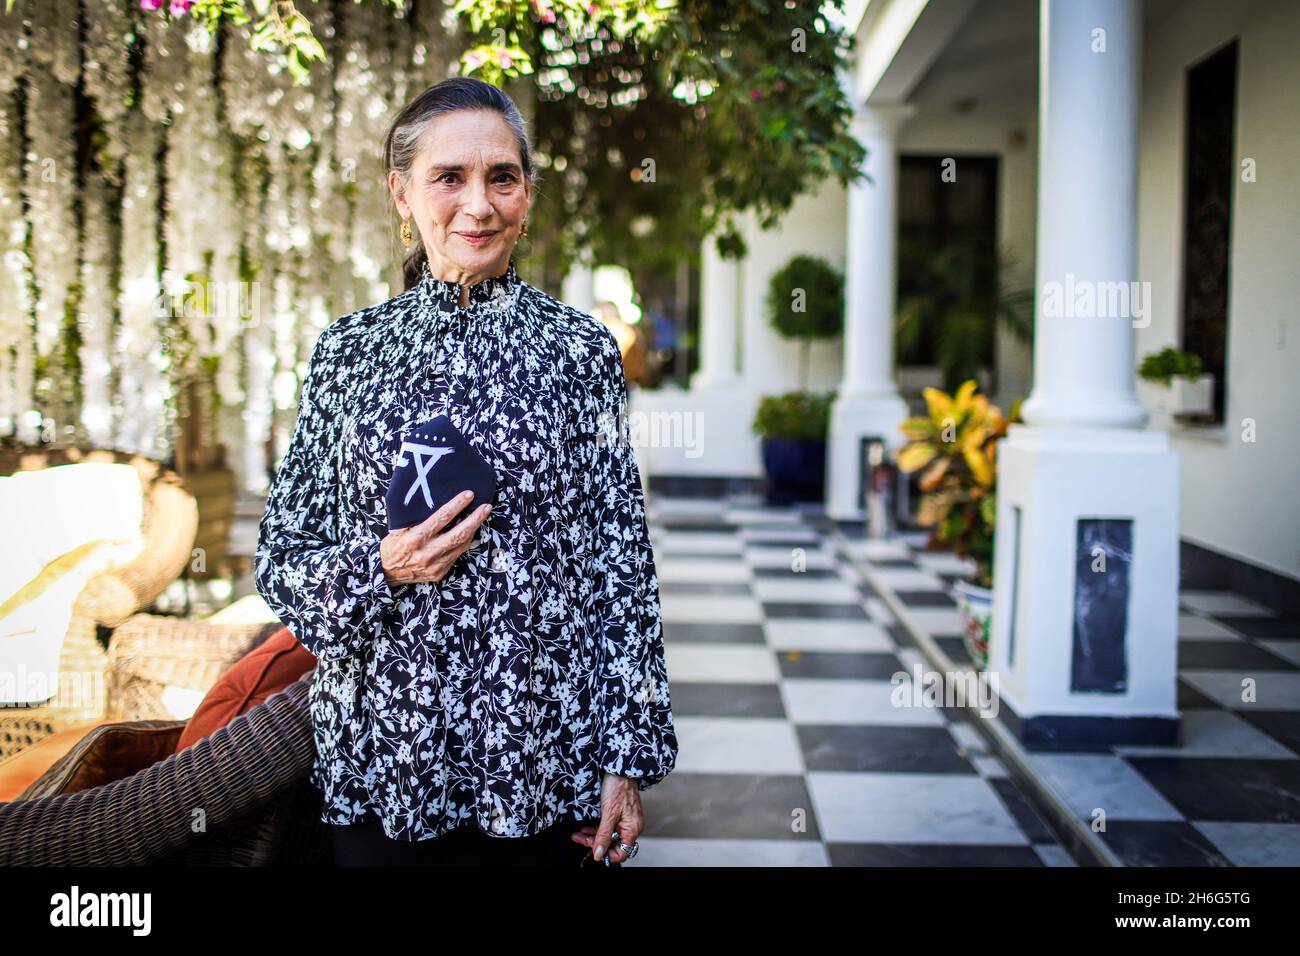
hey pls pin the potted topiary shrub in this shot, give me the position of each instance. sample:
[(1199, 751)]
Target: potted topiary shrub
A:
[(1171, 383), (793, 432), (805, 302), (956, 444)]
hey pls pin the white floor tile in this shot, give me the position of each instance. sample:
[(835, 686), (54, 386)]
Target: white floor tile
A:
[(669, 851), (1092, 782), (911, 808), (1272, 690), (709, 542), (816, 701), (1222, 602), (901, 579), (710, 609), (762, 556), (1193, 627), (737, 745), (1215, 733), (1254, 844), (827, 635), (703, 570), (810, 590), (720, 663)]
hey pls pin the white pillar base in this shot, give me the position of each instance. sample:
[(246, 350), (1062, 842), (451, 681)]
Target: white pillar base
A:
[(1084, 638), (854, 417)]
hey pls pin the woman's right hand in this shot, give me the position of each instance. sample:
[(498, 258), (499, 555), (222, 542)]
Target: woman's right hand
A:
[(424, 552)]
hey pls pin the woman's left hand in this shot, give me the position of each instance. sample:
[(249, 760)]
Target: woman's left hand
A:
[(620, 809)]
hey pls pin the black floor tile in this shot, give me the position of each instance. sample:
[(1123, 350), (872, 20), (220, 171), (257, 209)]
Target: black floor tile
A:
[(1190, 697), (1221, 789), (930, 854), (838, 665), (1228, 655), (925, 599), (1022, 810), (698, 699), (729, 806), (785, 573), (710, 588), (880, 749), (1161, 843), (694, 632), (1282, 725), (679, 525), (789, 609), (955, 648), (1268, 628)]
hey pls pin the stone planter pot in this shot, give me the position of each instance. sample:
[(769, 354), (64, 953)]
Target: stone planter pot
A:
[(1182, 396), (975, 605)]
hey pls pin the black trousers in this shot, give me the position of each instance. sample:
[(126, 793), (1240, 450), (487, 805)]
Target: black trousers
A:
[(365, 844)]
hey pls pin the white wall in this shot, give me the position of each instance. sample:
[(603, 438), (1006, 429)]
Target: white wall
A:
[(1239, 498)]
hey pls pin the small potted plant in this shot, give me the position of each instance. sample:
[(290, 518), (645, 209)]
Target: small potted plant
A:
[(1171, 383), (956, 444), (793, 431)]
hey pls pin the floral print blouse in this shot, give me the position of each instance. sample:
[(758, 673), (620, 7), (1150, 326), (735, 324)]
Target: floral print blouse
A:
[(499, 695)]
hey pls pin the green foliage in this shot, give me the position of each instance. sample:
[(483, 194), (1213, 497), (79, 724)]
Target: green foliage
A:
[(1162, 366), (805, 299), (961, 303), (648, 146), (793, 415)]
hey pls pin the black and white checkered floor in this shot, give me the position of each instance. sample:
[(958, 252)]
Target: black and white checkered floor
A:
[(1230, 794), (793, 752)]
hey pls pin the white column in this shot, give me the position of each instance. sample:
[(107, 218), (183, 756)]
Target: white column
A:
[(719, 311), (868, 403), (1087, 223), (578, 288), (1084, 630)]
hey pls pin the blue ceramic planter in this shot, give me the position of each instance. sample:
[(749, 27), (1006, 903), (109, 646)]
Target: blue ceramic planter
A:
[(796, 468)]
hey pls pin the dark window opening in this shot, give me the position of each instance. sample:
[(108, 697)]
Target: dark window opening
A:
[(1209, 172), (947, 248)]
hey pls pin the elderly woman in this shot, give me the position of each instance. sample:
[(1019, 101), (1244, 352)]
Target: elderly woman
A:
[(491, 683)]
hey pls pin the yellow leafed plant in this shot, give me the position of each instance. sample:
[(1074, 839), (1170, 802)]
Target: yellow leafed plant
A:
[(955, 448)]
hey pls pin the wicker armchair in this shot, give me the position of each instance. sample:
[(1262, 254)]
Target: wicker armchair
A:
[(170, 519), (249, 778)]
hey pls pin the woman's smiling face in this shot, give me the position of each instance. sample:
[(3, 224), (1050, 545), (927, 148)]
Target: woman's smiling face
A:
[(468, 195)]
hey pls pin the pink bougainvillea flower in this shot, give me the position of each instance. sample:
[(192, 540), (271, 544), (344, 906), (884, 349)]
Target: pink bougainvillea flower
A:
[(755, 94), (180, 7), (474, 60), (150, 4)]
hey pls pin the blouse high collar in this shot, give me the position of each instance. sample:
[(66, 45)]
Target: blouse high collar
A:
[(493, 294)]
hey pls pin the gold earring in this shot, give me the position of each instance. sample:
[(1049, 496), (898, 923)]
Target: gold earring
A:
[(523, 233), (406, 232)]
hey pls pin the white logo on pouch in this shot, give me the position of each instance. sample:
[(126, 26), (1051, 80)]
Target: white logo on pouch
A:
[(426, 456)]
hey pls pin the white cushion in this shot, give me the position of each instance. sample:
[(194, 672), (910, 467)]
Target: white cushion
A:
[(51, 511)]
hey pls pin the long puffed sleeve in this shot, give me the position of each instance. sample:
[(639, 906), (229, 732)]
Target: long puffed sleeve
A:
[(634, 712), (330, 593)]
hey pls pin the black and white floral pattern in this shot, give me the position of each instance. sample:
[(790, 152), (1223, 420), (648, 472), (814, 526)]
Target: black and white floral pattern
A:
[(499, 695)]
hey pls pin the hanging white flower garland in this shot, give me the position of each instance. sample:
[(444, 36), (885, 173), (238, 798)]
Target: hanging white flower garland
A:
[(319, 237)]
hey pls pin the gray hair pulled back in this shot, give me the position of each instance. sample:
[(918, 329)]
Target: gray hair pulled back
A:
[(402, 141)]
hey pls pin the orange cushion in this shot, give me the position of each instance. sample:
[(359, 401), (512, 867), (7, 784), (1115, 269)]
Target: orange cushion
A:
[(265, 670), (23, 769)]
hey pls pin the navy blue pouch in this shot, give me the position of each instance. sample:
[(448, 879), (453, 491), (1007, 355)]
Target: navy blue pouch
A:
[(433, 465)]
